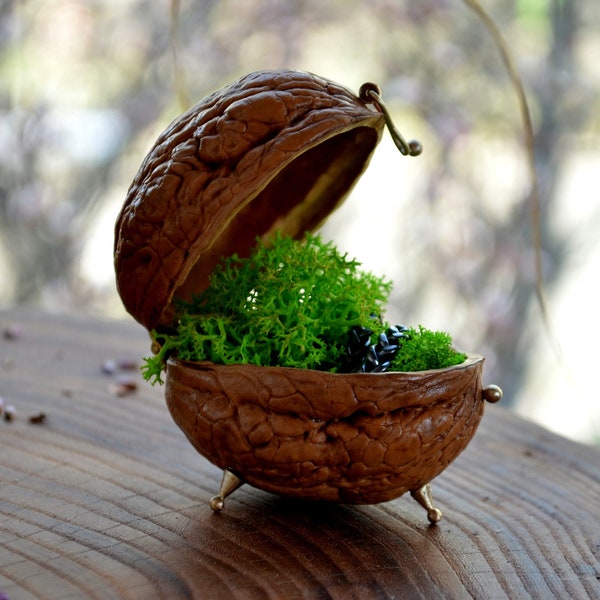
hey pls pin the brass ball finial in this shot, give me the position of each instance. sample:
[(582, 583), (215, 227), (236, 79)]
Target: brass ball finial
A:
[(492, 394)]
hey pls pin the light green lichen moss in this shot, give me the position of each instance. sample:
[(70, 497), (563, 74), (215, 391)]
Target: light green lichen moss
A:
[(291, 303)]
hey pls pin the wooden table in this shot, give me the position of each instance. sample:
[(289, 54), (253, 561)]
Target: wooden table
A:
[(106, 499)]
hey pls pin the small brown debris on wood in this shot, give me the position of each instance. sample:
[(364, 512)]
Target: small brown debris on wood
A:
[(38, 419), (110, 366), (13, 331), (9, 413), (128, 364), (124, 387)]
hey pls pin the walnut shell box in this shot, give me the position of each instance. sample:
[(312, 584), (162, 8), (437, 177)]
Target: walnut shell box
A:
[(279, 151)]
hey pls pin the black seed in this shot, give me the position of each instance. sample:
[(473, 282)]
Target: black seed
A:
[(364, 357)]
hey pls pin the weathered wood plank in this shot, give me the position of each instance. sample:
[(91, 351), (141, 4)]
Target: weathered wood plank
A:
[(106, 499)]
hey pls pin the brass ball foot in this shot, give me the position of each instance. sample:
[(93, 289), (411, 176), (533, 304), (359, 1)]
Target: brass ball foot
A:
[(229, 484), (424, 498), (217, 503)]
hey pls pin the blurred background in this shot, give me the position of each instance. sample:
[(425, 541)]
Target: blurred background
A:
[(87, 85)]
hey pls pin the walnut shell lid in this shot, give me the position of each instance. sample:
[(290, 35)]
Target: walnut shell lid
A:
[(276, 150)]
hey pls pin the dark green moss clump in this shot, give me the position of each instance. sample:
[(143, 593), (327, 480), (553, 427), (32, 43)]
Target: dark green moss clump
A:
[(291, 304), (424, 349)]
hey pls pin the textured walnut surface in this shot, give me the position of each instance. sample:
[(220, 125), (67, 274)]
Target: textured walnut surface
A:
[(279, 150), (274, 150), (361, 438)]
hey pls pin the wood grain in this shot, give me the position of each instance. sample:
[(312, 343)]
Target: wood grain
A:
[(107, 499)]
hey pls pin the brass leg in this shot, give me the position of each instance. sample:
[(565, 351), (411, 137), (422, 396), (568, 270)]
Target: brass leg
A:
[(423, 497), (229, 484)]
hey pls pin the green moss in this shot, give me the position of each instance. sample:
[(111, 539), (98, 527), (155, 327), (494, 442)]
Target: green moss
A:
[(426, 350), (291, 303)]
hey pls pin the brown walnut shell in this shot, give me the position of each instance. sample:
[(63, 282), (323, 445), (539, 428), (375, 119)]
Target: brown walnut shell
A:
[(276, 150), (351, 438), (279, 150)]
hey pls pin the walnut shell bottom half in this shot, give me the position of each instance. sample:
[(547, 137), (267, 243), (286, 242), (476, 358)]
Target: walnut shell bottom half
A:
[(348, 438)]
